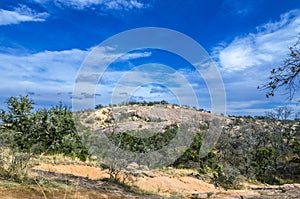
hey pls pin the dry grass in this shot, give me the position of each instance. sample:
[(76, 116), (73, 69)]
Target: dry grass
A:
[(39, 192), (62, 159)]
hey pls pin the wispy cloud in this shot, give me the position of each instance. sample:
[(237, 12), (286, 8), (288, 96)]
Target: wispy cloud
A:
[(246, 61), (45, 73), (50, 75), (105, 4), (236, 8), (130, 56), (159, 89), (124, 4), (21, 14), (268, 46)]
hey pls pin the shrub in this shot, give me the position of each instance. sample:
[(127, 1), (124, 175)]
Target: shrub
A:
[(13, 164), (47, 131)]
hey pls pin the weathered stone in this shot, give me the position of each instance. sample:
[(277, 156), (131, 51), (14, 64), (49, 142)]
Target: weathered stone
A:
[(133, 166), (144, 168), (149, 174)]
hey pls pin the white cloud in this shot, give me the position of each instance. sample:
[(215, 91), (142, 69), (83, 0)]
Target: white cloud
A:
[(267, 47), (107, 4), (46, 73), (236, 105), (130, 56), (246, 61), (124, 4), (21, 14), (79, 4)]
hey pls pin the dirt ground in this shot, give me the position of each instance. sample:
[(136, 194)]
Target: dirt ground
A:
[(75, 169), (165, 184), (77, 181), (34, 192)]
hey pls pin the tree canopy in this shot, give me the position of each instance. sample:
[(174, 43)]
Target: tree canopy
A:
[(47, 131)]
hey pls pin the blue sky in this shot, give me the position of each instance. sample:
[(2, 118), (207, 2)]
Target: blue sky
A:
[(43, 44)]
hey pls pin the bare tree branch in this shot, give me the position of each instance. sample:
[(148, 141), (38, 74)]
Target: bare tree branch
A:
[(287, 75)]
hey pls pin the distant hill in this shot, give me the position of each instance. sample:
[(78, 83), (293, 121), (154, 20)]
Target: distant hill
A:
[(140, 117)]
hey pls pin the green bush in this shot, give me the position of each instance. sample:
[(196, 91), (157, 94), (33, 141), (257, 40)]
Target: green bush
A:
[(190, 158), (47, 131), (143, 145)]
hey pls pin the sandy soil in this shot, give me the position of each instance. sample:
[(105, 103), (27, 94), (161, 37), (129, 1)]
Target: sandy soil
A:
[(74, 169), (161, 183)]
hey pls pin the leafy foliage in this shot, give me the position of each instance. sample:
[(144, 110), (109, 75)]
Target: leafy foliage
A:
[(142, 145), (99, 106), (265, 149), (47, 131), (18, 120), (190, 158)]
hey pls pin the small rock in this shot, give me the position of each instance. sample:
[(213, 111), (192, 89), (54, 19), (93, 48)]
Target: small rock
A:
[(199, 195), (149, 174), (134, 118), (136, 173), (133, 166), (144, 168), (202, 195), (93, 157)]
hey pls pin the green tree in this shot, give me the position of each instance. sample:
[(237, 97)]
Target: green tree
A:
[(263, 159), (163, 102), (264, 165), (99, 106), (46, 131), (55, 131), (282, 132), (18, 119), (190, 158), (15, 134)]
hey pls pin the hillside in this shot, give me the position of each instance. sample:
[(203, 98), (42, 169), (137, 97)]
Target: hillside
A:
[(251, 154), (260, 149), (139, 117)]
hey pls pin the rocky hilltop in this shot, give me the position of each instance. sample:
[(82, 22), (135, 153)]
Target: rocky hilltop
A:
[(139, 117)]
